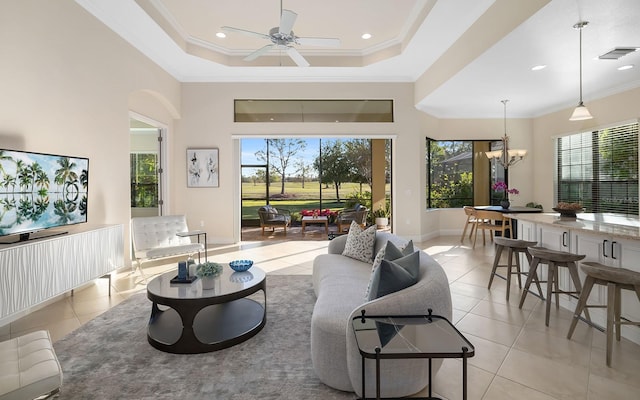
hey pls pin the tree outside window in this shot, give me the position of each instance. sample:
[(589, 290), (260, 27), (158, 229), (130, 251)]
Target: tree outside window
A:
[(450, 173), (144, 179)]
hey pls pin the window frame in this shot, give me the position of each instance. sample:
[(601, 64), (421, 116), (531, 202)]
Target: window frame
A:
[(576, 190), (495, 171)]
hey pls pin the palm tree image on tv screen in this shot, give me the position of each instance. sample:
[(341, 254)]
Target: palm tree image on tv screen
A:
[(40, 191)]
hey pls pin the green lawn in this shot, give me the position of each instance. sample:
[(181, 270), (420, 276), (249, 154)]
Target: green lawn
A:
[(296, 197), (250, 207), (295, 190)]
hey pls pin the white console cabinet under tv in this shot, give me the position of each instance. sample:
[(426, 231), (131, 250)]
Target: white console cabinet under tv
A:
[(35, 271)]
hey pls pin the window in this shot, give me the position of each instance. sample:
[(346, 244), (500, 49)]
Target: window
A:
[(459, 174), (261, 111), (144, 179), (450, 165), (599, 169), (313, 173)]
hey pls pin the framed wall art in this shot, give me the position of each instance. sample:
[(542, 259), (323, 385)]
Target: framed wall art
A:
[(202, 168)]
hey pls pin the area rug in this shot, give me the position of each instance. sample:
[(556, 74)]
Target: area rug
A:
[(110, 358)]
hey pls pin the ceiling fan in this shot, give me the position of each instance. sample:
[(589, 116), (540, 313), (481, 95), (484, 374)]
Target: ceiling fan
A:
[(283, 38)]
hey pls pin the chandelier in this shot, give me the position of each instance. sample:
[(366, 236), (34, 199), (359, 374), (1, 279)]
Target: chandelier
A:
[(506, 157)]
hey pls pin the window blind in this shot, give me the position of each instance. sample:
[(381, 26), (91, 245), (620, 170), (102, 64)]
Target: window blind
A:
[(599, 169)]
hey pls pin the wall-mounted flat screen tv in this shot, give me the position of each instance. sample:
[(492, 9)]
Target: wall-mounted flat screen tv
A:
[(40, 191)]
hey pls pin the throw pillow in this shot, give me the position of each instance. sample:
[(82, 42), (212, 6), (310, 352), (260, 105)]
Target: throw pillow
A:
[(376, 263), (360, 243), (389, 252), (392, 276), (393, 252)]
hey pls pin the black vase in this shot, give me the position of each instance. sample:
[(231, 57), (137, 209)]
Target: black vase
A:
[(505, 204)]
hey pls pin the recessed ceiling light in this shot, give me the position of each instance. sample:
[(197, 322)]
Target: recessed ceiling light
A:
[(221, 35), (538, 67), (625, 67), (366, 36)]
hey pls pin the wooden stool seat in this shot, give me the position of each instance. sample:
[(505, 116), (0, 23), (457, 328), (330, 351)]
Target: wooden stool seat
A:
[(554, 259), (620, 276), (514, 246), (615, 279), (554, 255)]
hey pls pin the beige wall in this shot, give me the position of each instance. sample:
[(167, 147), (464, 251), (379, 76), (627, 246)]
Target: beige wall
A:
[(612, 110), (66, 82), (69, 83), (207, 121), (534, 175)]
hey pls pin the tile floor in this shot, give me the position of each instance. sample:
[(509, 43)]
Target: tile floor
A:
[(516, 355)]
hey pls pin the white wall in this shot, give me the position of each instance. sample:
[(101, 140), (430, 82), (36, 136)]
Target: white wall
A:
[(65, 86)]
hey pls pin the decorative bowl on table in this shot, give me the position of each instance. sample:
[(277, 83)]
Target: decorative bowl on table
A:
[(240, 265), (568, 210)]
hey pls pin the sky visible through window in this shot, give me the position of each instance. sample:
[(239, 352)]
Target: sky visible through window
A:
[(249, 148)]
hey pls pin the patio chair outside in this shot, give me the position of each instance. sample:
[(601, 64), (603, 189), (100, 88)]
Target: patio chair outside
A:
[(346, 216), (272, 217)]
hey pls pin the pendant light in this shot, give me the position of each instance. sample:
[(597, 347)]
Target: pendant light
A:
[(581, 112)]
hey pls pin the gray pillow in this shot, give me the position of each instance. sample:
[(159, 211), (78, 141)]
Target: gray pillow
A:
[(392, 252), (360, 243), (389, 252), (392, 276)]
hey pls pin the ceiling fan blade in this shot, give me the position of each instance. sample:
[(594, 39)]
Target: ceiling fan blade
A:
[(313, 41), (258, 52), (287, 19), (297, 57), (245, 32)]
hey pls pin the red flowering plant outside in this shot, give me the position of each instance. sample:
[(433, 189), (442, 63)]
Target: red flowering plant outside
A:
[(501, 186), (320, 213)]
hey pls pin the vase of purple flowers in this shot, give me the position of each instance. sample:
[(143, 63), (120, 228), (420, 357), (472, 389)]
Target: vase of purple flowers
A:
[(501, 186)]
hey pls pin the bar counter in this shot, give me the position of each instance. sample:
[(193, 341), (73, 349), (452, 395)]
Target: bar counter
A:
[(609, 239), (616, 225)]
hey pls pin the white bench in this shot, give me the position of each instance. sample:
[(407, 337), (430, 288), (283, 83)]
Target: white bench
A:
[(163, 236), (29, 367)]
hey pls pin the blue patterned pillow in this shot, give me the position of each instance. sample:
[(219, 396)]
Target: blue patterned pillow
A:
[(360, 243)]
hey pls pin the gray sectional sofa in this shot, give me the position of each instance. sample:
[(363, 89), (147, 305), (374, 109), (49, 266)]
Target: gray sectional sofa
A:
[(340, 284)]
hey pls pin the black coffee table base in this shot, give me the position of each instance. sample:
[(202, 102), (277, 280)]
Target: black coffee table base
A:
[(214, 328)]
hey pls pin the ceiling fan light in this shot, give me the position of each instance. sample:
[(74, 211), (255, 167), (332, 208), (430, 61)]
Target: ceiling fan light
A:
[(580, 113)]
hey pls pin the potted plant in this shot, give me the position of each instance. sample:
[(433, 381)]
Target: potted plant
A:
[(381, 216), (207, 271)]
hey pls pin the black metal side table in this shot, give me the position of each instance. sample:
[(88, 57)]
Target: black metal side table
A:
[(394, 337)]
